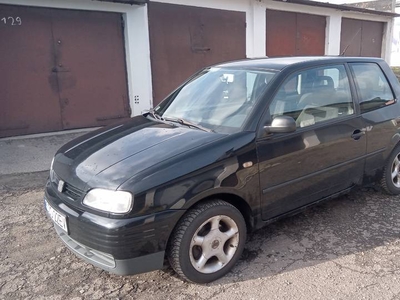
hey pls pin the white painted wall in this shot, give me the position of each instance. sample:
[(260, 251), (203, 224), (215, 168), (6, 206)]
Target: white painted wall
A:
[(137, 43), (256, 25), (332, 34), (138, 59), (395, 55)]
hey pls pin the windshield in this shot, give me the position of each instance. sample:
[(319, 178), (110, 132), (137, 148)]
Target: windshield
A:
[(217, 99)]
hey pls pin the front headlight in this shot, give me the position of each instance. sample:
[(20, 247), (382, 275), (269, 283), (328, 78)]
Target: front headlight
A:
[(118, 202)]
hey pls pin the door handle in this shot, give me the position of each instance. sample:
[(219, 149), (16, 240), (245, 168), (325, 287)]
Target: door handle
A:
[(357, 134)]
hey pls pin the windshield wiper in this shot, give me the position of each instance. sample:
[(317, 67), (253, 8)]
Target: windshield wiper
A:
[(188, 123), (154, 114)]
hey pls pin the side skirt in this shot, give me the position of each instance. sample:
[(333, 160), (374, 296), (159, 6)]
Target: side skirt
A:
[(259, 223)]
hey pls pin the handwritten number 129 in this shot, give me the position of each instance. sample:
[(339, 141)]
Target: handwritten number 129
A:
[(12, 21)]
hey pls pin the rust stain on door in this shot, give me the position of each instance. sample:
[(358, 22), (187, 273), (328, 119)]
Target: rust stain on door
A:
[(62, 69), (90, 64), (28, 90)]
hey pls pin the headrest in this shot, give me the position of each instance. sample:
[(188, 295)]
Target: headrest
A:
[(324, 82)]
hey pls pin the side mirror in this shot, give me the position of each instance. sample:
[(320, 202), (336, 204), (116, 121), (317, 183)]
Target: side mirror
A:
[(281, 124)]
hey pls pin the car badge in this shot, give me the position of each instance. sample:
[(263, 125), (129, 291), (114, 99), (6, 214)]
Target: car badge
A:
[(60, 187)]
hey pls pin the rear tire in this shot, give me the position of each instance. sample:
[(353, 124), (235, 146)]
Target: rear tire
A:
[(207, 242), (390, 181)]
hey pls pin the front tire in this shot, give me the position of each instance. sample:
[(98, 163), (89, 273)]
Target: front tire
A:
[(391, 173), (207, 242)]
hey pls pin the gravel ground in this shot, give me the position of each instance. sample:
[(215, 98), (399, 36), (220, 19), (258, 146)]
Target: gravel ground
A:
[(348, 248)]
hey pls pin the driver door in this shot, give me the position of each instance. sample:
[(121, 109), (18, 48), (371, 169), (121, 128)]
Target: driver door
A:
[(325, 155)]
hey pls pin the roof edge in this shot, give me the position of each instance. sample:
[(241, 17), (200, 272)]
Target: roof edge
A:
[(131, 2), (341, 7)]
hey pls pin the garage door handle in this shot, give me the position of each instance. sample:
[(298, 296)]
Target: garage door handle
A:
[(357, 134)]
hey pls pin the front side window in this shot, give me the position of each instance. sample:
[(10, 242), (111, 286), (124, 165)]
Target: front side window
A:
[(218, 99), (373, 88), (314, 95)]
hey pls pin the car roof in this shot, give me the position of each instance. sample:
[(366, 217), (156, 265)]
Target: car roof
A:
[(279, 63)]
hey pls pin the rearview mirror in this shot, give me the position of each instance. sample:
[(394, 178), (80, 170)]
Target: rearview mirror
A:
[(281, 124)]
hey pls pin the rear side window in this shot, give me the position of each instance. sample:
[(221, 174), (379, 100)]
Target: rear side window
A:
[(314, 95), (373, 88)]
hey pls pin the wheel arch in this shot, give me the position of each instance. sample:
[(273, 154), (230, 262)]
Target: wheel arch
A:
[(231, 198), (237, 202), (395, 142), (388, 185)]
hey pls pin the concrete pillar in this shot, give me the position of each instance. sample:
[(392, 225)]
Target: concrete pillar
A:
[(256, 29), (332, 35), (137, 45)]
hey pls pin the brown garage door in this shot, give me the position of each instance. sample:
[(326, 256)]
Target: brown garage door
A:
[(185, 39), (291, 34), (361, 38), (60, 69)]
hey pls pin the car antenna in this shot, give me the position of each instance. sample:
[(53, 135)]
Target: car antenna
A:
[(348, 45)]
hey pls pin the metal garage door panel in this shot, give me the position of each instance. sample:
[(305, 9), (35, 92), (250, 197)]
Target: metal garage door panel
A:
[(281, 33), (372, 35), (185, 39), (29, 100), (290, 33), (350, 39), (310, 35), (90, 64), (361, 38)]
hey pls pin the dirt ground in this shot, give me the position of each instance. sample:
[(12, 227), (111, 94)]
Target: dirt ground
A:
[(348, 248)]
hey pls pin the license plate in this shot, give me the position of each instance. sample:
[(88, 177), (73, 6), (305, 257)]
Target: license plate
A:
[(58, 218)]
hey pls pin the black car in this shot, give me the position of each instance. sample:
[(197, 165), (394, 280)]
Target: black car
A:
[(236, 147)]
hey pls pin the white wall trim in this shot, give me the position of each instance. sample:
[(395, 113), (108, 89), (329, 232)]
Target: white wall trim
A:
[(387, 41), (72, 4), (257, 26), (333, 34), (291, 7), (234, 5), (367, 17), (323, 11), (137, 44)]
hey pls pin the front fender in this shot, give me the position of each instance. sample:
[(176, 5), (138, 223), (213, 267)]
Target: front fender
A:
[(222, 174)]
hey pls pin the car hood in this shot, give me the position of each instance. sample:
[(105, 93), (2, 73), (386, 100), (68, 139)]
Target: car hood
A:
[(94, 160)]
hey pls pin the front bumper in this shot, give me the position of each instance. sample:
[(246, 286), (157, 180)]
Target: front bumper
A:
[(108, 263), (120, 246)]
